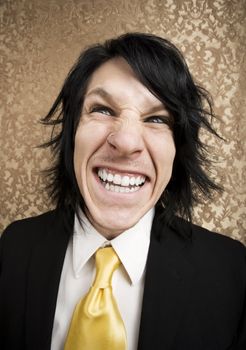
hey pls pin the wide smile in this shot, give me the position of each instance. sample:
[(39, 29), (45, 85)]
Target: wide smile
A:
[(118, 182)]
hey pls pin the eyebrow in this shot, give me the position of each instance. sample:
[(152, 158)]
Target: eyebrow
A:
[(100, 92), (107, 96)]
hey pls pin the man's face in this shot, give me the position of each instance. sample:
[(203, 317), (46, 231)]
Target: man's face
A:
[(124, 149)]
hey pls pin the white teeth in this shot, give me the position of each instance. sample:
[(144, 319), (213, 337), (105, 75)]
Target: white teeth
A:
[(138, 181), (104, 175), (120, 189), (119, 180), (110, 177), (125, 181)]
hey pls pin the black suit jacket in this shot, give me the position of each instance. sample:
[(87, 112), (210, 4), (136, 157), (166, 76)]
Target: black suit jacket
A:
[(194, 295)]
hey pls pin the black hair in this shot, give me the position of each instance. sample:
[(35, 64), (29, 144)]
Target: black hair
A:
[(160, 66)]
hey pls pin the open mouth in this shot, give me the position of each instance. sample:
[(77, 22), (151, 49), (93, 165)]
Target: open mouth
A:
[(115, 182)]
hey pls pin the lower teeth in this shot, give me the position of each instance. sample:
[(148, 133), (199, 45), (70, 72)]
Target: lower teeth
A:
[(121, 189)]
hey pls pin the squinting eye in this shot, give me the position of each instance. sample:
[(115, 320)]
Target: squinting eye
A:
[(102, 110), (158, 120)]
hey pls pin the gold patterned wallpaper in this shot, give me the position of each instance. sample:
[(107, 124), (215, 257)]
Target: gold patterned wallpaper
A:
[(40, 40)]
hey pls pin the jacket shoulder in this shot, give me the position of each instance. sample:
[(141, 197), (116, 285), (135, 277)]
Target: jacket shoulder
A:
[(210, 247), (200, 235), (21, 237), (216, 242), (29, 226), (219, 255)]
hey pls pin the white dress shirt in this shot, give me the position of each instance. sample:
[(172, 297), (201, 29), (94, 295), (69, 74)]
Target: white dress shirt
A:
[(79, 271)]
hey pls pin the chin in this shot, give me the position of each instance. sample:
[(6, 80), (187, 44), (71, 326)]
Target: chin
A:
[(114, 224)]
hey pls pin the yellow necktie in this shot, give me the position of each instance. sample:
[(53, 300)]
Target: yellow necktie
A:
[(96, 322)]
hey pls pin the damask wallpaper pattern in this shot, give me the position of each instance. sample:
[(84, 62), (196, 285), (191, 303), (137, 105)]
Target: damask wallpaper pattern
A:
[(40, 40)]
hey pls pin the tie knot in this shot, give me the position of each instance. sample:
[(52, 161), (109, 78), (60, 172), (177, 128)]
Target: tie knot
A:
[(107, 262)]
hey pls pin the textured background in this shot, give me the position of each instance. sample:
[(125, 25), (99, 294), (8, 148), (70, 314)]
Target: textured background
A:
[(42, 38)]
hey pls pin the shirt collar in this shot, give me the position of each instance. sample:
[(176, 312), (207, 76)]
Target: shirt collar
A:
[(131, 246)]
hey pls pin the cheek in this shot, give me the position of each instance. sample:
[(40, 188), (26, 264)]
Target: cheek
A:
[(79, 149), (87, 143), (81, 152), (171, 152), (163, 153)]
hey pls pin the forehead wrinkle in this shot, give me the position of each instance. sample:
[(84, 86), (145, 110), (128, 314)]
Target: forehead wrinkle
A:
[(149, 110), (129, 107), (99, 91), (105, 95)]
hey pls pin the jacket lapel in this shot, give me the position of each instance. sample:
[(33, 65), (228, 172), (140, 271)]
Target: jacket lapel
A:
[(43, 283), (167, 283)]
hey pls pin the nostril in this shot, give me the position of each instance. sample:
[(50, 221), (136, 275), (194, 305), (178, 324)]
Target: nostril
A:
[(125, 142), (111, 135), (111, 141)]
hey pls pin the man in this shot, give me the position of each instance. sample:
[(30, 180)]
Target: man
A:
[(128, 160)]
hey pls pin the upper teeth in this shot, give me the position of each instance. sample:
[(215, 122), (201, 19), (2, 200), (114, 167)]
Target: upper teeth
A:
[(121, 180)]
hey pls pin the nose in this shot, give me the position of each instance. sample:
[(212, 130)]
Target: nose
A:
[(126, 141)]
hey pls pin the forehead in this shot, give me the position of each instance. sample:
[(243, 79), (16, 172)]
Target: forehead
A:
[(118, 80)]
